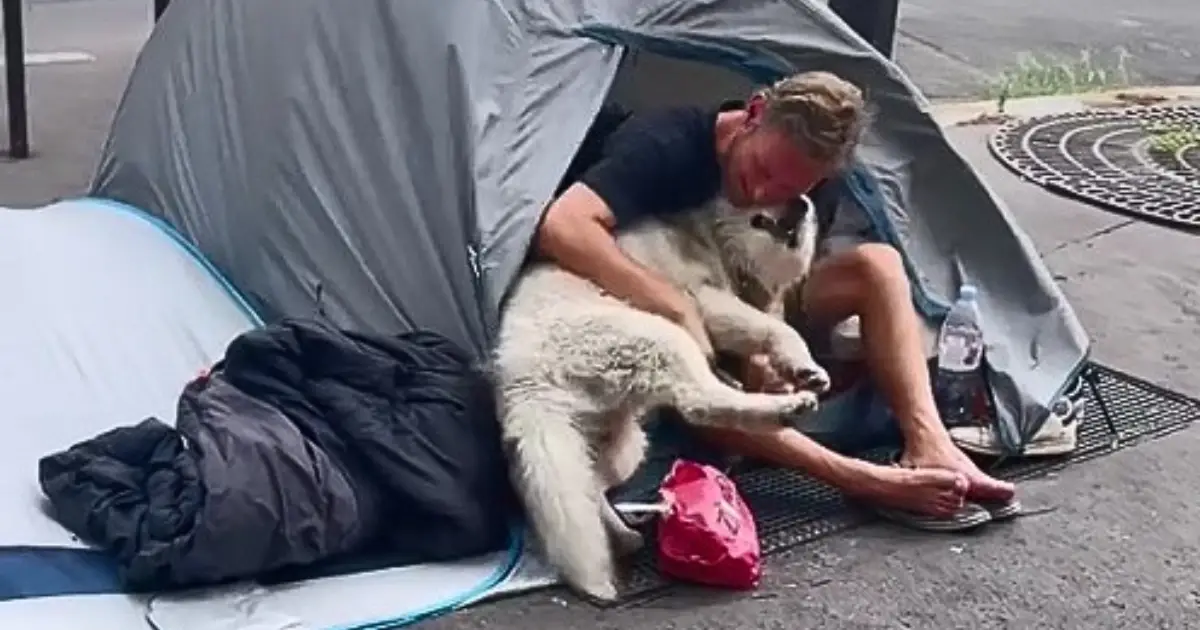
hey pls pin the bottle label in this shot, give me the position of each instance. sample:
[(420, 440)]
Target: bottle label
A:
[(958, 355)]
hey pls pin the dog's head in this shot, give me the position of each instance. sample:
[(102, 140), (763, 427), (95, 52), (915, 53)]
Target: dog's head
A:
[(772, 246)]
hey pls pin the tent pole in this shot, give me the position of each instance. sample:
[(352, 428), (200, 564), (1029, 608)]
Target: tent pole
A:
[(873, 20), (14, 70), (159, 7)]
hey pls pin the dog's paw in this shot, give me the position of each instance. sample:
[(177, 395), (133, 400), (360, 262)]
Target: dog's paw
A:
[(780, 410), (811, 378), (802, 371), (603, 591), (801, 403)]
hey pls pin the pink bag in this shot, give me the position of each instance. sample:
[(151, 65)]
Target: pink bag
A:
[(707, 534)]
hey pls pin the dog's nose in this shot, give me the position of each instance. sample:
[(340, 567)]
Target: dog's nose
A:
[(762, 221)]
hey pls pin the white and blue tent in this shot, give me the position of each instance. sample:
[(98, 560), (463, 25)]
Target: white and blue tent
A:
[(394, 156)]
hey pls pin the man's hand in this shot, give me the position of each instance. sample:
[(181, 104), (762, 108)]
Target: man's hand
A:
[(577, 234)]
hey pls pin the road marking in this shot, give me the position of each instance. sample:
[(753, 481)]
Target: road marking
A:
[(54, 58)]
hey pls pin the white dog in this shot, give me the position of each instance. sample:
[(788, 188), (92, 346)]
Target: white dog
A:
[(577, 370)]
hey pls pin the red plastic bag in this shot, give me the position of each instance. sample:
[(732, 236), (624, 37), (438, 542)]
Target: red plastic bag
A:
[(707, 534)]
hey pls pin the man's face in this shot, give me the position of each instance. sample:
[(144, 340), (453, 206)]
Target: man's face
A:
[(763, 167)]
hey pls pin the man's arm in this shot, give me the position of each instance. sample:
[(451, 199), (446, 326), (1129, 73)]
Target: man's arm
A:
[(577, 233)]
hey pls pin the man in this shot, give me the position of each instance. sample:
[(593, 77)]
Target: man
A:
[(782, 142)]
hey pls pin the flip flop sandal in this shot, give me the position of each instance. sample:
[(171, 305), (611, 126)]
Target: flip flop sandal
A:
[(971, 516), (1003, 510)]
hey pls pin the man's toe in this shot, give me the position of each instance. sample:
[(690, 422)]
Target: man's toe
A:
[(987, 488)]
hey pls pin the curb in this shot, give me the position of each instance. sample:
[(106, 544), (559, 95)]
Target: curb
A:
[(958, 113)]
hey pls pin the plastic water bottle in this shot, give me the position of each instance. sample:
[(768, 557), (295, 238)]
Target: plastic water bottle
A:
[(960, 356)]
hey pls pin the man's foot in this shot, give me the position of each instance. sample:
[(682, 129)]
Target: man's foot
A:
[(935, 492), (983, 487)]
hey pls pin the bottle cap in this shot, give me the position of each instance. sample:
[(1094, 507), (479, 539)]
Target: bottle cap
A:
[(967, 292)]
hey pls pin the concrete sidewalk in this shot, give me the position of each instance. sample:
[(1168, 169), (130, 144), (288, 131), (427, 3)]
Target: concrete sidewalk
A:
[(71, 104), (67, 129)]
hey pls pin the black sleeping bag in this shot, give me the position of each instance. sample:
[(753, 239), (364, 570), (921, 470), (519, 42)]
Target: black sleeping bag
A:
[(304, 443)]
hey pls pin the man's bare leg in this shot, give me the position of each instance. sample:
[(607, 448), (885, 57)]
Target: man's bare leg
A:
[(870, 281), (936, 492), (933, 491)]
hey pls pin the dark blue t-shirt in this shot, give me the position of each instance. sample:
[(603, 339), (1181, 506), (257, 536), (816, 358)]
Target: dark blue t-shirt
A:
[(657, 163)]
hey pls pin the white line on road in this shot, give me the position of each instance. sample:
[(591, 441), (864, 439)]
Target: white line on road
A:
[(52, 58)]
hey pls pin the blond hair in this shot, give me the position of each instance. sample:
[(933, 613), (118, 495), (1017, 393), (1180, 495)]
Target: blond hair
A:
[(822, 112)]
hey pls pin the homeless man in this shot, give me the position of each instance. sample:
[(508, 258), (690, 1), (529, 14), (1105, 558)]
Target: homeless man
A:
[(779, 144)]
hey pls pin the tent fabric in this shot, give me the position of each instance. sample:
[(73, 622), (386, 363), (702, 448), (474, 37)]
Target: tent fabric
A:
[(395, 156), (390, 160), (110, 313)]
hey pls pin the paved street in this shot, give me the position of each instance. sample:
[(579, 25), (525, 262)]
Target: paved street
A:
[(951, 47), (1121, 549), (71, 104)]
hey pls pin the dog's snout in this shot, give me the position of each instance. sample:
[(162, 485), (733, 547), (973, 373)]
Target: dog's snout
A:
[(762, 221)]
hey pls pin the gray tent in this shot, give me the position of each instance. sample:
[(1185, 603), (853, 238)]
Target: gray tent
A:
[(385, 161), (389, 159)]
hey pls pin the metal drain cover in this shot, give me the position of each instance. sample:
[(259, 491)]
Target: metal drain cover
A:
[(1144, 161)]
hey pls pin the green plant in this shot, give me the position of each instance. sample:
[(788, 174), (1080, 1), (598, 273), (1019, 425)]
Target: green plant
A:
[(1171, 138), (1034, 76)]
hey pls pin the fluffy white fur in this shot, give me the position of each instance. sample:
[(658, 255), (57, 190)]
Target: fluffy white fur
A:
[(577, 370)]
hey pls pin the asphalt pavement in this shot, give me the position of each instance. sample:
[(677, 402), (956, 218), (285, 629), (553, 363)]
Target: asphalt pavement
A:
[(952, 48), (1120, 550)]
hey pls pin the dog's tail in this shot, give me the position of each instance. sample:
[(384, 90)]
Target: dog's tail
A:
[(554, 472)]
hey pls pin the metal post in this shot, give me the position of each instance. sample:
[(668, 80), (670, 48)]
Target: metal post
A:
[(159, 7), (14, 69), (873, 20)]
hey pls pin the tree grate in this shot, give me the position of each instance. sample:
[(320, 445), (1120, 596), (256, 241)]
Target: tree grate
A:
[(1140, 161)]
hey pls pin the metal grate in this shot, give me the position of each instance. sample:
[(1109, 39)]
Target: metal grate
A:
[(1143, 161), (792, 509)]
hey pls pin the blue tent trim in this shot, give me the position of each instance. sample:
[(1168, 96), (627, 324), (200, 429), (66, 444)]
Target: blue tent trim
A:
[(27, 571), (186, 246)]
